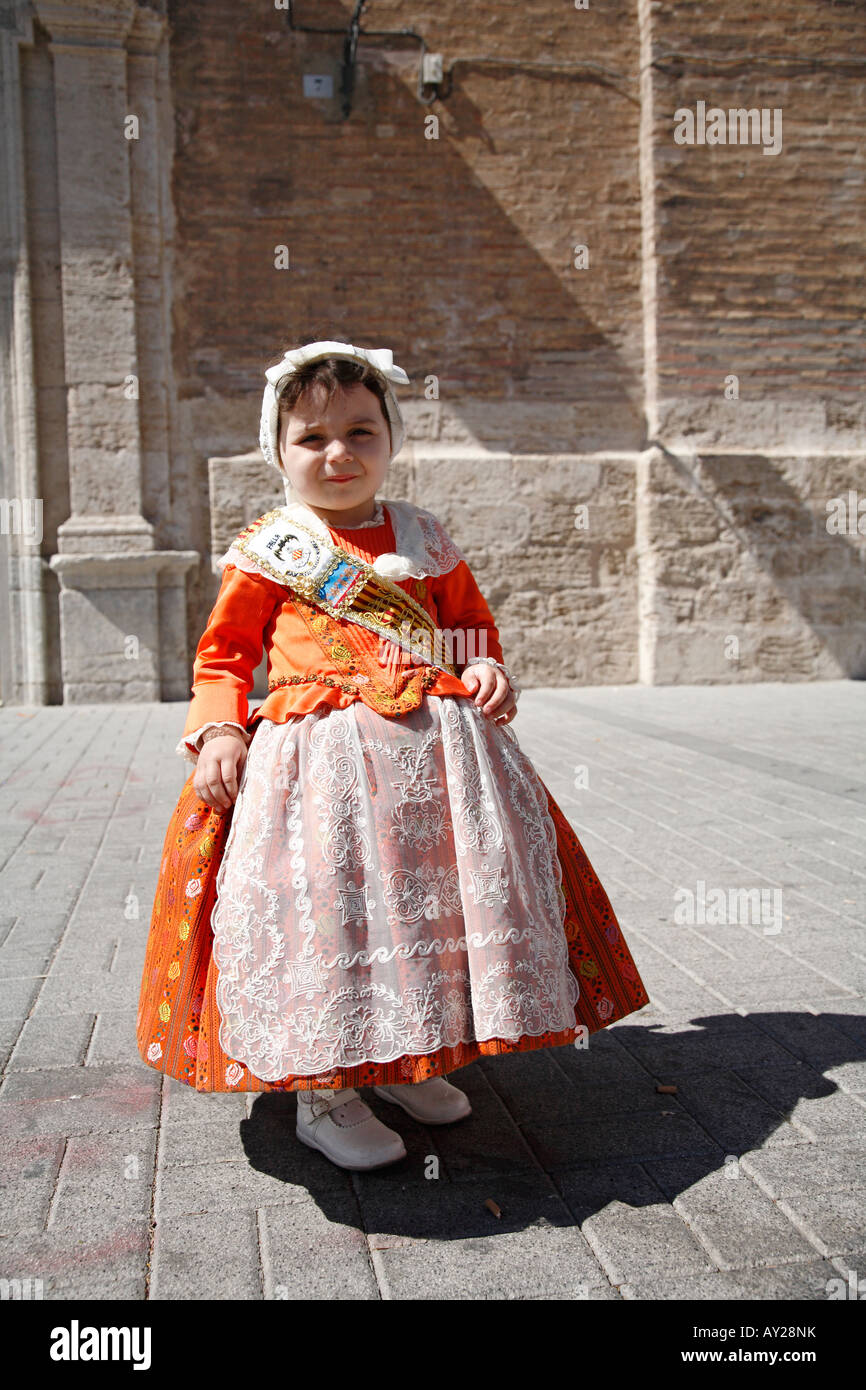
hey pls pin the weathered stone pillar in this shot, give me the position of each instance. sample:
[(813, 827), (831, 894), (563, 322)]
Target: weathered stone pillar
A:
[(97, 267), (150, 163), (23, 676), (122, 600)]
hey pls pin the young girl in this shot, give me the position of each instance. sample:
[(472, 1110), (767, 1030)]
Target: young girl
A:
[(365, 883)]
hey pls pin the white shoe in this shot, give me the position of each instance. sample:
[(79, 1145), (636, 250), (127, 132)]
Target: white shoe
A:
[(433, 1102), (345, 1130)]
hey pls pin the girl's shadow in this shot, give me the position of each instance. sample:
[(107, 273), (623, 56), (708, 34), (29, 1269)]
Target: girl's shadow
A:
[(558, 1133)]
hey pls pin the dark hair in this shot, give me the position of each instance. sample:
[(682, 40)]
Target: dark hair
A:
[(332, 373)]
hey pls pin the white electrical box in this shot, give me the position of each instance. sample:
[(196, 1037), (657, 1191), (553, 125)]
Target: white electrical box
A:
[(431, 67), (318, 85)]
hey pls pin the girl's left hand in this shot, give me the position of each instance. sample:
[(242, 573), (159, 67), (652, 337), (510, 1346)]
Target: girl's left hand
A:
[(492, 691)]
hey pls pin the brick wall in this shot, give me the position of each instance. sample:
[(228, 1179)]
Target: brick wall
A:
[(706, 555)]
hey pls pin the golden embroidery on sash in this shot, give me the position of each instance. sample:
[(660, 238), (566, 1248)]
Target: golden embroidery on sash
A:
[(403, 691)]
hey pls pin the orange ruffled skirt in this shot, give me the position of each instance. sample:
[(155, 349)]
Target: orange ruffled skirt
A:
[(179, 1023)]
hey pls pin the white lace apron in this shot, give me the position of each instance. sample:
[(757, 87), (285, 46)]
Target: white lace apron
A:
[(389, 886)]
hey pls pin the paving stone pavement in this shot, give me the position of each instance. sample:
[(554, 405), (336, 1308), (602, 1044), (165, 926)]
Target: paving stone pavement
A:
[(748, 1182)]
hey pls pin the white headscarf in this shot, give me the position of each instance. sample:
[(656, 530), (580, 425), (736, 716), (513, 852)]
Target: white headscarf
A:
[(278, 376)]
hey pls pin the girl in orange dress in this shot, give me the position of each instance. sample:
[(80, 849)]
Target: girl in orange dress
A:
[(365, 883)]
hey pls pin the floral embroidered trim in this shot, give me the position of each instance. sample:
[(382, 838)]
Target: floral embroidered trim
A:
[(351, 687)]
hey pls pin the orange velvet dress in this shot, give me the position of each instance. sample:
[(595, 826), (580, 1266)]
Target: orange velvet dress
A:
[(291, 888)]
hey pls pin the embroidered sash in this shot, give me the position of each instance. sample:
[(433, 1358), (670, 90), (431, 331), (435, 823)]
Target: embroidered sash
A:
[(341, 584)]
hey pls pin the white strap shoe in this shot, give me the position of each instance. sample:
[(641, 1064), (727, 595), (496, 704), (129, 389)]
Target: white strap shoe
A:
[(345, 1130), (433, 1102)]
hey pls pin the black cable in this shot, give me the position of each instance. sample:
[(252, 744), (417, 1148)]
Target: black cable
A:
[(354, 32), (752, 58)]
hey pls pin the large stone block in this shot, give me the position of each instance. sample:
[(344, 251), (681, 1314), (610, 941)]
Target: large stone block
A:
[(115, 609)]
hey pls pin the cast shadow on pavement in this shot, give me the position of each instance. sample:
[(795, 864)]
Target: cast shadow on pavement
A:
[(558, 1133)]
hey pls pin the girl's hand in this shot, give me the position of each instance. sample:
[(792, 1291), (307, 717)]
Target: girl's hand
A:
[(492, 691), (218, 771)]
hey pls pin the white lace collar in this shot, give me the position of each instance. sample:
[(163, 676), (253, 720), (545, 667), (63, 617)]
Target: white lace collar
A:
[(423, 548), (422, 545)]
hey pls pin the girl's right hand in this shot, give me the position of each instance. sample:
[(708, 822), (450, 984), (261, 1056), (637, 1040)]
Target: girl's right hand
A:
[(218, 771)]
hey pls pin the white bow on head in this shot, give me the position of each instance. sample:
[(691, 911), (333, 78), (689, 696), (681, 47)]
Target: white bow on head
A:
[(380, 359)]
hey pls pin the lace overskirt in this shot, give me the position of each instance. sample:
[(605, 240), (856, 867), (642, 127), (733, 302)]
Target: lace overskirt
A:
[(389, 899), (389, 886)]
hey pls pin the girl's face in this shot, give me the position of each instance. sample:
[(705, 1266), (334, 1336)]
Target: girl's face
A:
[(321, 443)]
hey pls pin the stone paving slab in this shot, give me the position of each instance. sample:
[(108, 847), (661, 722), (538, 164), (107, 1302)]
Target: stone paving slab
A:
[(748, 1182)]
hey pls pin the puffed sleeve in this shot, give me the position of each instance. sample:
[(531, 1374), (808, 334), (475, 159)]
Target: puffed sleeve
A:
[(229, 650), (463, 611)]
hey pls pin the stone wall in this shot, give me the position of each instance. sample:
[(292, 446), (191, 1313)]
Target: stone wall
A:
[(755, 317), (636, 364)]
